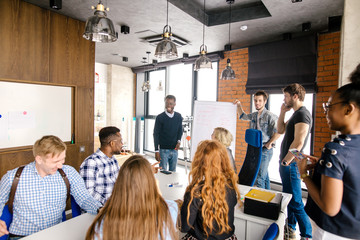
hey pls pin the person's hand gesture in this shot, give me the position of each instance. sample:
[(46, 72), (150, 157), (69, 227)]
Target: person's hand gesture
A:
[(3, 228), (157, 156), (284, 108), (154, 168), (177, 146)]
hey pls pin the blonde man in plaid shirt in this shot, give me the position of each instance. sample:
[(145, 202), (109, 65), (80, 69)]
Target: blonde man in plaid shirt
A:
[(41, 193)]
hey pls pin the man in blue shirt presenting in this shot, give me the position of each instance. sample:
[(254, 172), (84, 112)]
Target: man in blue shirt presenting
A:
[(167, 135), (41, 193)]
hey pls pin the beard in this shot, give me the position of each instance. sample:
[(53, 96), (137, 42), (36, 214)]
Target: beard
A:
[(290, 104)]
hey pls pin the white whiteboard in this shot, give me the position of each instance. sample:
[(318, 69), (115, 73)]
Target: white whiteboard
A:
[(209, 115), (30, 111)]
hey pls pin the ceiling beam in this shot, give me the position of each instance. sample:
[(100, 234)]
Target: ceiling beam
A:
[(215, 17)]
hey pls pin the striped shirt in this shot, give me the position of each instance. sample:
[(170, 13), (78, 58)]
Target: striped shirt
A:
[(40, 201), (100, 173)]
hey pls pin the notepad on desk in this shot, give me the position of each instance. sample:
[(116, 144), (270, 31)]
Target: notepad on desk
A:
[(260, 195)]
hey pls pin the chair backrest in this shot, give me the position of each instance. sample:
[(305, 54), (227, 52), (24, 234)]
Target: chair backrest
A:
[(7, 217), (251, 165), (272, 232), (75, 208)]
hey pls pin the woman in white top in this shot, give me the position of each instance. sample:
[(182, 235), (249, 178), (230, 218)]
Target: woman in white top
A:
[(135, 210), (225, 137)]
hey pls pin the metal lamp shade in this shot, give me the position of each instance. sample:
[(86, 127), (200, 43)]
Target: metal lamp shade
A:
[(99, 28), (166, 49), (203, 61), (228, 73)]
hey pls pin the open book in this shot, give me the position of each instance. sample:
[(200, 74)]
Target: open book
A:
[(260, 195)]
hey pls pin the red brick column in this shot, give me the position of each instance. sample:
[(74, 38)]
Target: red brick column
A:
[(327, 80), (229, 90)]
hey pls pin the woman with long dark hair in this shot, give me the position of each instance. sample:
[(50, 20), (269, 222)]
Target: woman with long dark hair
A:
[(209, 201), (135, 210), (334, 188)]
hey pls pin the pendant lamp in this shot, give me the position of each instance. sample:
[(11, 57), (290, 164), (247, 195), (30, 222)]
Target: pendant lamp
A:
[(99, 28), (146, 84), (228, 73), (166, 48), (203, 61)]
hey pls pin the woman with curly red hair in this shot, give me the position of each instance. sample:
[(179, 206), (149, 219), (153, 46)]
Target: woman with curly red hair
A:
[(209, 201)]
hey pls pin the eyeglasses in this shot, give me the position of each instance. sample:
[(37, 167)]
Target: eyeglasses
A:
[(327, 105)]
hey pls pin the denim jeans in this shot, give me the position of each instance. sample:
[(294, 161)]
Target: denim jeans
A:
[(291, 182), (168, 156), (262, 179)]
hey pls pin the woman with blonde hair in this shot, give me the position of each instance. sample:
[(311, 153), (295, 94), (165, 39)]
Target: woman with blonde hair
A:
[(209, 202), (135, 210), (225, 137)]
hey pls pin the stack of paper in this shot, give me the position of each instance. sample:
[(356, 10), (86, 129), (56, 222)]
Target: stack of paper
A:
[(260, 195)]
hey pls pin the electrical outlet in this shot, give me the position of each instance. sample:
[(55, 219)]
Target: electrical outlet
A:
[(82, 148)]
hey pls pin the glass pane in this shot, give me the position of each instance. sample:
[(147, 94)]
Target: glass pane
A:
[(180, 85), (207, 83), (156, 92), (275, 101), (149, 139)]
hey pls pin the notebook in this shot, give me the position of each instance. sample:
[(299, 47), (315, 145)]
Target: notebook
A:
[(260, 195)]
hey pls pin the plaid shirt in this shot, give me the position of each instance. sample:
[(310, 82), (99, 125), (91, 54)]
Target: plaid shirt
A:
[(40, 201), (100, 173)]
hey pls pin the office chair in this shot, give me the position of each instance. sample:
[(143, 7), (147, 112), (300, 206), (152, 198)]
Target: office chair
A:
[(272, 232), (7, 217), (251, 165)]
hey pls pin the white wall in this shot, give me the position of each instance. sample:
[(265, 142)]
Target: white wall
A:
[(350, 35), (120, 100)]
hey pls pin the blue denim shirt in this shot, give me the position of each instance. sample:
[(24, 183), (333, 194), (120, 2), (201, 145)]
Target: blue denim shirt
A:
[(267, 123)]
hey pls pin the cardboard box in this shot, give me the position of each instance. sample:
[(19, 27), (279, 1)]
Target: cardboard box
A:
[(268, 210)]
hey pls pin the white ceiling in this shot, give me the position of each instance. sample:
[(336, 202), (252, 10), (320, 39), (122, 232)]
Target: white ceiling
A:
[(148, 17)]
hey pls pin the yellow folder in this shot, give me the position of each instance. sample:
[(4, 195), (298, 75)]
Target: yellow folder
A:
[(260, 195)]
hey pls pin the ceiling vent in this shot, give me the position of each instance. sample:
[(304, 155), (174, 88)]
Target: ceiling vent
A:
[(155, 39)]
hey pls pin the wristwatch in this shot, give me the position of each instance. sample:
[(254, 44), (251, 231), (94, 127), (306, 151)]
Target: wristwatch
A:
[(303, 176)]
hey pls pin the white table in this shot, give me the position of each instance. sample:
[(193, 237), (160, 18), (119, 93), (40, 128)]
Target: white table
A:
[(72, 229), (247, 227)]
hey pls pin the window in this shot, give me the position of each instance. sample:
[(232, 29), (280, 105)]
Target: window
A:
[(274, 103), (207, 84), (156, 94), (180, 85), (181, 81)]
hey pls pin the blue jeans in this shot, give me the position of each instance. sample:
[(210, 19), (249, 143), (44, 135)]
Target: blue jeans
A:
[(168, 156), (262, 180), (291, 182)]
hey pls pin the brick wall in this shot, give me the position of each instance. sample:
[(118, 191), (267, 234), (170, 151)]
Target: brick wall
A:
[(229, 90), (327, 78)]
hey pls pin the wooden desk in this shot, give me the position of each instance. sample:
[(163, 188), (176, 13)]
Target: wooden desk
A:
[(247, 227)]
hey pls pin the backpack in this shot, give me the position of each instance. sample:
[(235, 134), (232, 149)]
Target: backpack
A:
[(16, 181)]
